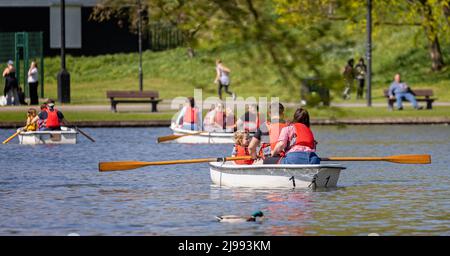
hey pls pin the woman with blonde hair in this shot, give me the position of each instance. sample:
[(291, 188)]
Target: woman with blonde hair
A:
[(31, 121), (33, 83)]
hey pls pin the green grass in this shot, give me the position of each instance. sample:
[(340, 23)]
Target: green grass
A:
[(14, 116), (173, 74), (315, 113)]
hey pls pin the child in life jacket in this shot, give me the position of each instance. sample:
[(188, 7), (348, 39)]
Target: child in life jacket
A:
[(31, 123), (242, 140)]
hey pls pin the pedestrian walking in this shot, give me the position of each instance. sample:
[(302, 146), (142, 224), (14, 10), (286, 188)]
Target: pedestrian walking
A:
[(223, 78), (360, 71)]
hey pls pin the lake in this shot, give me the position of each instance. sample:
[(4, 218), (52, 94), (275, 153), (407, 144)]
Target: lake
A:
[(57, 189)]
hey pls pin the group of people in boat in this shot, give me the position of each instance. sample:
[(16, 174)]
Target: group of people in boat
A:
[(218, 119), (48, 119), (290, 142)]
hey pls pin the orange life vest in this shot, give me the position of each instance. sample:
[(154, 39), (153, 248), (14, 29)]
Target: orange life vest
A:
[(304, 136), (274, 133), (242, 151), (190, 116), (52, 120)]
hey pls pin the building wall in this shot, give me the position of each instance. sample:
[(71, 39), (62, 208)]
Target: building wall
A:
[(97, 38)]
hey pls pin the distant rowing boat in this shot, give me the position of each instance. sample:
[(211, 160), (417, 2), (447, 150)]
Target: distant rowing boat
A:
[(204, 137), (229, 174), (64, 136)]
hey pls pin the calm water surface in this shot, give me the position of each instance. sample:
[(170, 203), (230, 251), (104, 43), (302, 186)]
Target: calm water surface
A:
[(57, 190)]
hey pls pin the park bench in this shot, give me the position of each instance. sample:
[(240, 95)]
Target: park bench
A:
[(133, 97), (421, 95)]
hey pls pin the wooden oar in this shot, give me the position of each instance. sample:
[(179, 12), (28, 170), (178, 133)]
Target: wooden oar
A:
[(13, 136), (79, 130), (174, 137), (400, 159), (128, 165)]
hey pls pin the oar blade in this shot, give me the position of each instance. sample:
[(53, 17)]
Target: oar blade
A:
[(168, 138), (120, 166), (12, 137), (410, 159), (174, 137)]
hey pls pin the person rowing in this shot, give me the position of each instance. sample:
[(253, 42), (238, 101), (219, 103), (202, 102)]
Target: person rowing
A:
[(274, 127), (250, 121), (297, 140), (50, 116)]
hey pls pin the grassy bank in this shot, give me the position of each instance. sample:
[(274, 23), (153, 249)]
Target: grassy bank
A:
[(173, 74), (316, 113)]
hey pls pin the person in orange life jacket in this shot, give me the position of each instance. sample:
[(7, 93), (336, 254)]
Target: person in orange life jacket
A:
[(242, 140), (297, 140), (31, 125), (216, 119), (51, 116), (190, 116), (277, 122), (251, 120)]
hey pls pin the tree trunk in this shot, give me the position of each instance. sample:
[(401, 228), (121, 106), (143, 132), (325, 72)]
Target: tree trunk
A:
[(434, 48), (437, 60)]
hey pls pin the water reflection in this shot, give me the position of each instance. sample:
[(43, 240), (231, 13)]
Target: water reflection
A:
[(67, 194)]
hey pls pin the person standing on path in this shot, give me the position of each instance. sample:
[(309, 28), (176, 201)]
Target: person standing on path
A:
[(360, 71), (11, 84), (223, 78), (33, 83)]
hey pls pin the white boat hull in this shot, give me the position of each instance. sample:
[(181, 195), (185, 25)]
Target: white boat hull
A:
[(205, 137), (275, 175), (65, 136)]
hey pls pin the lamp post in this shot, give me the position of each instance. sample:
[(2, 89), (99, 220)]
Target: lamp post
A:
[(63, 76), (140, 46), (369, 53)]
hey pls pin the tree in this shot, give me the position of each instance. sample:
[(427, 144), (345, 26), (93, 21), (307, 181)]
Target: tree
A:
[(296, 52), (430, 14)]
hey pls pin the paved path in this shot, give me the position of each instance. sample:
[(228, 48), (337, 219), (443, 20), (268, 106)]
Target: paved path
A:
[(165, 106)]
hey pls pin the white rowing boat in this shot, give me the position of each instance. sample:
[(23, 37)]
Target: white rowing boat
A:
[(64, 136), (229, 174), (202, 137)]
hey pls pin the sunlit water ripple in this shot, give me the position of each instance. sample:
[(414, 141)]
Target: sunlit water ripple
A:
[(57, 190)]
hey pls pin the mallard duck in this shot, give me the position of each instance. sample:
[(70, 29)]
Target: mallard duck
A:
[(237, 219)]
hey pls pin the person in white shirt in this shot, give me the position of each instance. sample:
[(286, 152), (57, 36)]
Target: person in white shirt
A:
[(33, 83), (223, 78)]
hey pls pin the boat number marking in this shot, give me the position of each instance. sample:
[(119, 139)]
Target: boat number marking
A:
[(328, 179), (293, 181)]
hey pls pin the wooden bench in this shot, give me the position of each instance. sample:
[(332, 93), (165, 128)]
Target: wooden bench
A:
[(133, 97), (420, 94)]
